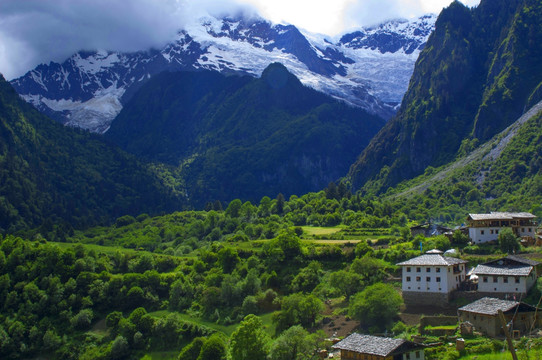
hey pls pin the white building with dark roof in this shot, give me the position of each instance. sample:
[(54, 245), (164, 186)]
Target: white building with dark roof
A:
[(486, 227), (431, 277), (368, 347), (507, 276), (483, 314)]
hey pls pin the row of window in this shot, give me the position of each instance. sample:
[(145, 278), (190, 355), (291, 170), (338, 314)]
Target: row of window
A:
[(419, 278), (504, 279), (496, 231), (491, 231), (420, 269)]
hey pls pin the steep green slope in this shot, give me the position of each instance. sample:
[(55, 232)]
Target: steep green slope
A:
[(50, 173), (479, 71), (240, 137), (502, 174)]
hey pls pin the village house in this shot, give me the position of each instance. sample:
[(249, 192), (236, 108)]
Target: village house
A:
[(483, 315), (509, 276), (429, 229), (368, 347), (431, 278), (486, 227)]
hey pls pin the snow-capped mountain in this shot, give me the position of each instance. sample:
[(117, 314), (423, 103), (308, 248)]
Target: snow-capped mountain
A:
[(369, 68)]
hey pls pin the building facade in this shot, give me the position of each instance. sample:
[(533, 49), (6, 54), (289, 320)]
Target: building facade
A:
[(368, 347), (483, 315), (486, 227), (512, 275), (430, 278)]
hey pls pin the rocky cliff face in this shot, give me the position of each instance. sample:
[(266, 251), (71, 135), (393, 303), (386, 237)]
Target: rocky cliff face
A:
[(369, 69)]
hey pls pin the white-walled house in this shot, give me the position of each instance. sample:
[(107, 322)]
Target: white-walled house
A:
[(431, 278), (486, 227), (510, 275)]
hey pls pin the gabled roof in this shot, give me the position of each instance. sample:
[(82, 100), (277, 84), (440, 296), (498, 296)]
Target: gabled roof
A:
[(491, 306), (523, 260), (432, 259), (506, 271), (502, 216), (507, 266), (375, 345)]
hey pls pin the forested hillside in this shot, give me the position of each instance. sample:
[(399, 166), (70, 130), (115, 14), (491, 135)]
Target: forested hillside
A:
[(504, 173), (60, 178), (240, 137), (480, 70), (253, 281)]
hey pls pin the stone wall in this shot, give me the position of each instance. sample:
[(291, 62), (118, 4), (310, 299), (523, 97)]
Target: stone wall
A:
[(471, 296), (421, 298)]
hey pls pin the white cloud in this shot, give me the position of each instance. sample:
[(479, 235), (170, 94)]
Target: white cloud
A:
[(39, 31)]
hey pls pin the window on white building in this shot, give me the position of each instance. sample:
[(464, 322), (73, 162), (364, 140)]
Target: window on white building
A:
[(438, 269), (495, 279), (408, 278), (485, 279), (408, 269), (481, 232), (438, 279), (428, 279), (418, 278), (418, 269)]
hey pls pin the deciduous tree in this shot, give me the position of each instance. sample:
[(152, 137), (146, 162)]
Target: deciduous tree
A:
[(377, 305), (249, 341)]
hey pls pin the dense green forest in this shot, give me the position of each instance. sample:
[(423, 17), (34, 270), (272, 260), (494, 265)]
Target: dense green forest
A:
[(51, 174), (249, 281)]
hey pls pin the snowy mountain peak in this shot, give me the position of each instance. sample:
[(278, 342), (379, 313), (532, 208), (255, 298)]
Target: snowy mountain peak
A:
[(392, 36), (369, 68)]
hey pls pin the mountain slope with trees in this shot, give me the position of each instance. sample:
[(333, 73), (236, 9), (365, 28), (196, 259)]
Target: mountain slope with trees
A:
[(240, 137), (504, 173), (51, 174), (481, 68)]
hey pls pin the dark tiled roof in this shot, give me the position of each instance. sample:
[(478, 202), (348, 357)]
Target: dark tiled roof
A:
[(502, 216), (523, 260), (433, 259), (368, 344), (510, 265), (489, 306), (483, 269)]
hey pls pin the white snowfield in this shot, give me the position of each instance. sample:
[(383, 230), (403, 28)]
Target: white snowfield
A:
[(367, 74)]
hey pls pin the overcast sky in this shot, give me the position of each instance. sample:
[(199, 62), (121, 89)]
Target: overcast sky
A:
[(40, 31)]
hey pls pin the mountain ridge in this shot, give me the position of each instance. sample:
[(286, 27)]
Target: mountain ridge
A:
[(89, 89), (232, 136)]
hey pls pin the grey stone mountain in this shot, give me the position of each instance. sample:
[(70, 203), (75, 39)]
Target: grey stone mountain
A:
[(369, 68)]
